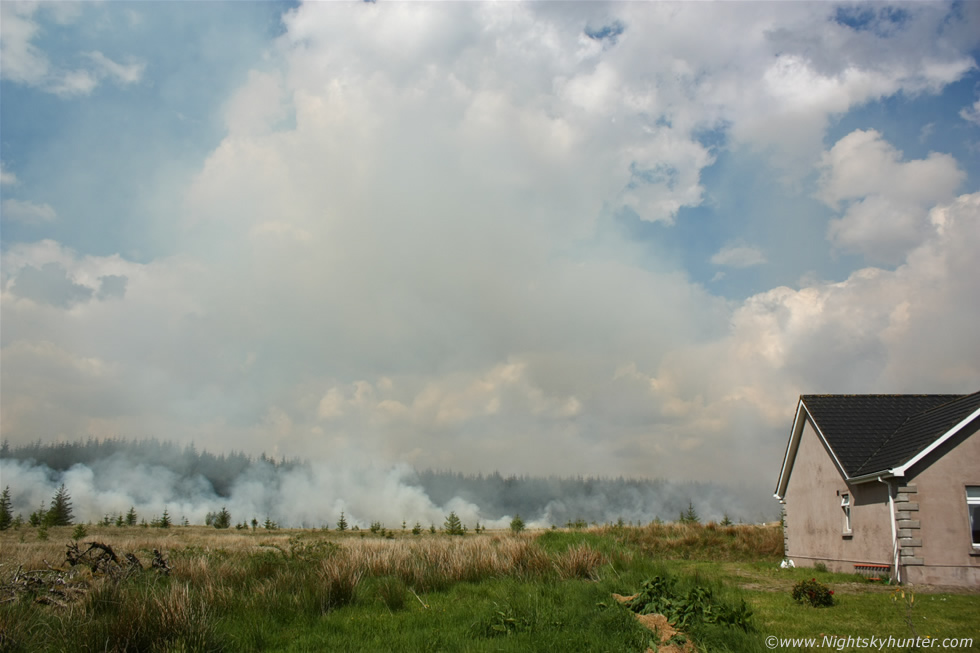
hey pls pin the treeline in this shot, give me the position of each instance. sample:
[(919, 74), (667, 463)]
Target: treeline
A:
[(220, 470), (568, 500), (197, 480)]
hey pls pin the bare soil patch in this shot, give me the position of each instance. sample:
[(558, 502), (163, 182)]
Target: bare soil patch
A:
[(658, 624)]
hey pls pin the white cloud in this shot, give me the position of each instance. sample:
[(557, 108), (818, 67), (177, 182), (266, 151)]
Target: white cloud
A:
[(22, 61), (26, 63), (971, 113), (27, 211), (885, 200), (122, 73), (876, 331), (390, 251), (73, 82), (738, 256), (7, 178)]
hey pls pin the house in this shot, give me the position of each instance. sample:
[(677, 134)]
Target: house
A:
[(888, 485)]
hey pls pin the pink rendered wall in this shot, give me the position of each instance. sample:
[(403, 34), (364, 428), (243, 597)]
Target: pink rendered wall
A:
[(815, 521), (940, 481)]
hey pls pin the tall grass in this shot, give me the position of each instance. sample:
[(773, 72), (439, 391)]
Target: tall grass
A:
[(708, 542), (245, 590)]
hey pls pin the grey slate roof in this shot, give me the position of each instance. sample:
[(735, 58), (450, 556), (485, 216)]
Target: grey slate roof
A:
[(875, 433)]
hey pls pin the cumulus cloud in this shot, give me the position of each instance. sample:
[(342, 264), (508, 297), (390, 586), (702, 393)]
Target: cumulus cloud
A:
[(392, 251), (884, 200), (873, 332)]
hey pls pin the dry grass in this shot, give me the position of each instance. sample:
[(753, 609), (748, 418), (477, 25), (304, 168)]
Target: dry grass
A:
[(581, 561), (219, 563), (273, 577), (707, 542)]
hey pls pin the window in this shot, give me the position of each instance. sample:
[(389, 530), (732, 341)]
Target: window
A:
[(973, 507), (845, 504)]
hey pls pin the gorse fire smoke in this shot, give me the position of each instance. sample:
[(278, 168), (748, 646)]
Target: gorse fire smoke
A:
[(110, 477)]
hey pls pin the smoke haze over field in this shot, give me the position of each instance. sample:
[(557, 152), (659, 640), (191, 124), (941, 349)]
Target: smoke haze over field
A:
[(545, 238), (110, 478)]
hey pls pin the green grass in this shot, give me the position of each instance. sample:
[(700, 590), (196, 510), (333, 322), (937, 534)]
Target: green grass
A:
[(495, 615), (551, 591)]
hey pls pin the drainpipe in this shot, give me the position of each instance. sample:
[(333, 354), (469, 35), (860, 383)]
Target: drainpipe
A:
[(895, 550)]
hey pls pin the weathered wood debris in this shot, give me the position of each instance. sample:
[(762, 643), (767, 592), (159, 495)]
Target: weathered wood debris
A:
[(60, 586)]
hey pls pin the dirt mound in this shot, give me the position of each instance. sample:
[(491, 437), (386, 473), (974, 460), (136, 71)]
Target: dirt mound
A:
[(658, 624)]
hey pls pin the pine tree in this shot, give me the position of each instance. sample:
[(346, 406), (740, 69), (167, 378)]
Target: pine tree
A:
[(517, 524), (690, 516), (37, 517), (60, 513), (342, 523), (452, 525), (131, 516), (6, 515), (222, 519), (165, 520)]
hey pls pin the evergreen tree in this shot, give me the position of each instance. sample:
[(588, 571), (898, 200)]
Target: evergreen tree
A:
[(6, 515), (222, 519), (165, 520), (131, 516), (517, 524), (342, 523), (690, 516), (452, 525), (37, 517), (120, 522), (60, 513)]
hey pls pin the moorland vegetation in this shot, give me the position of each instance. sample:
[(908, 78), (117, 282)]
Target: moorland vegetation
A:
[(195, 588)]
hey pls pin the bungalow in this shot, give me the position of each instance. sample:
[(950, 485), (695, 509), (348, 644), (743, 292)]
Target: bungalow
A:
[(888, 485)]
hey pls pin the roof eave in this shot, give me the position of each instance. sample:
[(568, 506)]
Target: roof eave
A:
[(791, 448), (874, 476), (794, 444)]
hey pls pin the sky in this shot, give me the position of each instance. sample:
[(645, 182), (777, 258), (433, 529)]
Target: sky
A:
[(562, 238)]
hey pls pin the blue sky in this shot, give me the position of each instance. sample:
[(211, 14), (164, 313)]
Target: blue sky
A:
[(470, 235)]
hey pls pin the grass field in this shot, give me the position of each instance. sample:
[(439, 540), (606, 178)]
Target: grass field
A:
[(291, 590)]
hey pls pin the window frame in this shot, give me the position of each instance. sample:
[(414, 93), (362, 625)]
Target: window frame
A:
[(973, 503)]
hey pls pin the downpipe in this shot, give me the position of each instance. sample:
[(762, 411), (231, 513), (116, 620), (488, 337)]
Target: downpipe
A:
[(895, 549)]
